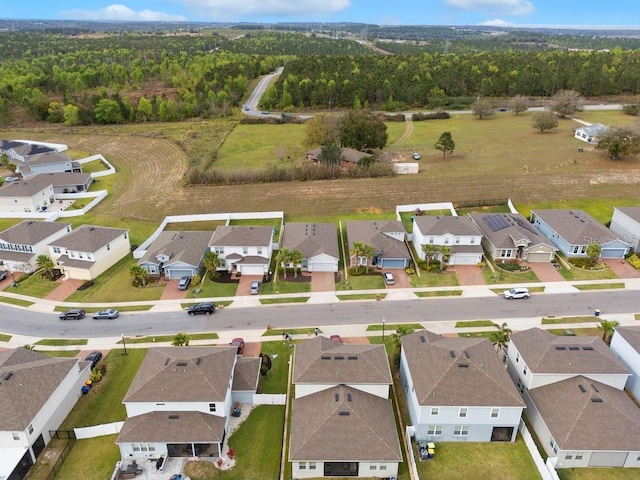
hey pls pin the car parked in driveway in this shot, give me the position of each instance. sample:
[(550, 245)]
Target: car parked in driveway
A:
[(202, 308), (239, 344), (516, 293), (3, 275), (184, 283), (336, 338), (73, 314), (108, 314), (94, 358), (255, 287), (388, 278)]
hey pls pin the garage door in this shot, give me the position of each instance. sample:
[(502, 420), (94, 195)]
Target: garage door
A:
[(462, 259), (607, 459), (390, 263), (178, 273), (322, 267), (251, 269), (538, 257), (612, 253)]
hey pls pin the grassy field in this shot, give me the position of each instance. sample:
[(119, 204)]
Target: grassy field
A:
[(100, 453), (34, 286), (209, 289), (503, 276), (392, 327), (273, 301), (16, 301), (439, 293), (276, 380), (599, 286), (598, 473), (475, 323), (283, 286), (61, 342)]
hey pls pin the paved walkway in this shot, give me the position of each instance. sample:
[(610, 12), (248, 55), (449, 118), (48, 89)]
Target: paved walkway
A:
[(64, 289)]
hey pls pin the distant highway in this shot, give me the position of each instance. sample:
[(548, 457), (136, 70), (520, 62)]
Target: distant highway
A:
[(250, 107)]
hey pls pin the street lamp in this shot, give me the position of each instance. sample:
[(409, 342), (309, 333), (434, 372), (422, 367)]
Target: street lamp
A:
[(124, 345), (383, 322)]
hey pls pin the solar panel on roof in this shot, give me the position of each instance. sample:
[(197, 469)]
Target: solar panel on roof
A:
[(496, 222)]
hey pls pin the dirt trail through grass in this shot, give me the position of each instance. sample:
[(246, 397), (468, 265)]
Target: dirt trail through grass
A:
[(407, 131)]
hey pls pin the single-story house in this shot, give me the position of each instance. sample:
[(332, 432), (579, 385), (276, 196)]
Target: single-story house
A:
[(72, 182), (459, 233), (626, 223), (590, 133), (25, 196), (510, 236), (318, 243), (386, 237), (243, 249), (37, 392), (457, 389), (625, 344), (88, 251), (176, 254), (572, 231), (349, 156), (21, 244)]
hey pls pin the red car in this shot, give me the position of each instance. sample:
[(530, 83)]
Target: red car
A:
[(336, 338), (239, 343)]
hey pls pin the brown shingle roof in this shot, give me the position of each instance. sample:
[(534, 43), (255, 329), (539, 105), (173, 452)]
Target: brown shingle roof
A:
[(67, 179), (347, 154), (576, 422), (186, 247), (379, 235), (31, 232), (320, 432), (239, 236), (321, 360), (440, 377), (517, 228), (440, 225), (88, 238), (631, 335), (246, 374), (164, 427), (34, 378), (202, 374), (27, 187), (46, 158), (538, 349), (576, 227), (312, 238)]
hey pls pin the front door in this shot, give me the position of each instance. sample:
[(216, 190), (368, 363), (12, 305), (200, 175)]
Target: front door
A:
[(341, 469)]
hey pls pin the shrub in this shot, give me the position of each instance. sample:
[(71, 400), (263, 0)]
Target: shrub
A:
[(634, 260), (422, 264), (86, 284), (631, 109), (409, 271), (96, 375), (440, 115)]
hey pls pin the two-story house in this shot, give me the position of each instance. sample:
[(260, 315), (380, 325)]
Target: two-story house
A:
[(176, 254), (26, 196), (88, 251), (21, 244), (179, 403), (573, 389), (458, 233), (572, 231), (318, 243), (386, 237), (458, 390), (625, 344), (626, 223), (32, 158), (245, 250), (342, 421), (37, 392)]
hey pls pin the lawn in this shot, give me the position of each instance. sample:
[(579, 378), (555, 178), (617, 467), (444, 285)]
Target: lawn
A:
[(577, 274), (434, 279), (61, 342), (209, 289), (503, 276), (16, 301), (169, 338), (363, 296), (439, 293), (373, 281), (599, 286), (91, 459), (4, 337), (479, 461), (273, 301), (276, 380), (598, 473), (284, 286), (475, 323), (279, 332), (59, 353), (563, 320), (392, 327), (34, 286), (114, 285)]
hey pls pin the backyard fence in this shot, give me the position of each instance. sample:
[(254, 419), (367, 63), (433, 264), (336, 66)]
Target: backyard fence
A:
[(70, 438), (98, 430), (269, 399), (412, 459), (546, 470)]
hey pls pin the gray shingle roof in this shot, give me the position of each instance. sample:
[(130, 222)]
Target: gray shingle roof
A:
[(34, 379), (240, 236), (631, 212), (27, 187), (202, 374), (88, 238), (440, 225), (67, 179), (631, 335), (186, 247), (576, 227), (246, 374), (441, 378), (347, 154), (321, 360), (538, 348), (31, 232), (320, 432), (164, 427), (578, 423), (312, 238), (378, 233), (46, 158), (517, 228)]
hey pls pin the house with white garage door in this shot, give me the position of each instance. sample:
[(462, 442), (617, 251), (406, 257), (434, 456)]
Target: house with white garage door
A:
[(318, 243), (245, 250), (572, 231), (387, 237), (458, 233), (626, 223), (176, 254)]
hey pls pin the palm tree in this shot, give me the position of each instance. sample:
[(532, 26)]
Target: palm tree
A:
[(139, 274), (429, 250), (296, 258), (368, 251), (593, 251), (282, 258), (401, 331), (211, 263), (47, 265), (500, 338), (181, 339), (445, 253), (357, 250), (607, 327)]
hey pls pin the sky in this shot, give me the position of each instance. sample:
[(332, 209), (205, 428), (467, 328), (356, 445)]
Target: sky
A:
[(561, 13)]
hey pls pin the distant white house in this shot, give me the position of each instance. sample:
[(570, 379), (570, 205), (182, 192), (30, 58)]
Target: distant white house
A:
[(590, 133), (626, 223)]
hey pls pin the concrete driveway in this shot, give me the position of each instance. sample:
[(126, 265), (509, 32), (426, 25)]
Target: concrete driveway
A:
[(399, 276), (622, 268), (546, 271), (323, 281), (244, 286), (171, 291)]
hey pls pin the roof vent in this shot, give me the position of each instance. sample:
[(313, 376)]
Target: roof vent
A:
[(595, 389), (587, 347), (337, 397), (452, 353), (463, 365), (8, 375), (174, 417), (326, 357), (560, 347), (582, 389), (466, 354), (339, 357), (423, 339), (348, 397), (343, 413), (574, 347), (352, 357), (91, 229), (596, 399), (198, 360), (181, 364), (166, 362)]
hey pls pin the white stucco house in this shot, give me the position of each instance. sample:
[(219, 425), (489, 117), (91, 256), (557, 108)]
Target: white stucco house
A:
[(626, 223), (243, 249), (37, 392), (27, 196), (458, 390), (32, 158), (88, 251), (176, 254), (342, 421), (590, 133), (458, 233), (625, 344), (318, 243)]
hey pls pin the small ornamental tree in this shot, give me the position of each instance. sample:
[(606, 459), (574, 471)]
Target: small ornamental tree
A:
[(519, 104), (544, 121), (618, 142), (482, 108), (445, 144), (565, 103)]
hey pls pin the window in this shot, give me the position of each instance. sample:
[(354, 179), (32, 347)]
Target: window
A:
[(56, 250), (505, 253), (568, 456), (495, 412), (219, 249), (212, 407), (245, 250), (524, 371), (435, 410), (30, 429), (373, 466), (457, 239), (15, 436), (462, 413), (446, 240), (431, 239), (312, 465), (583, 249), (461, 430), (81, 256), (472, 241), (303, 465), (125, 235), (89, 256), (383, 466), (579, 456), (576, 249), (434, 430), (517, 357), (108, 247), (259, 250)]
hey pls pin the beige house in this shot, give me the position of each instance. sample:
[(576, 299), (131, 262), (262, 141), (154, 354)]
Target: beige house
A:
[(88, 251), (26, 196)]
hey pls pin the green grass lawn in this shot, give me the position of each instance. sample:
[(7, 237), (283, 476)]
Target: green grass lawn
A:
[(434, 279), (599, 286), (575, 274), (362, 282), (91, 459), (168, 338), (562, 320), (4, 337), (276, 380), (439, 293), (60, 342), (363, 296), (59, 353), (598, 473), (16, 301), (209, 289), (103, 403), (94, 167), (273, 301), (479, 461), (475, 323), (34, 286), (114, 285), (279, 332), (283, 286), (392, 327), (503, 276)]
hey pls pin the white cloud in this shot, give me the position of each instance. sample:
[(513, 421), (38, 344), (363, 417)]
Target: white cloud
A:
[(224, 9), (504, 7), (496, 22), (120, 12)]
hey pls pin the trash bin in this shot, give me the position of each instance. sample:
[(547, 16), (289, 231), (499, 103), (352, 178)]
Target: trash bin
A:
[(424, 454), (597, 312), (236, 412)]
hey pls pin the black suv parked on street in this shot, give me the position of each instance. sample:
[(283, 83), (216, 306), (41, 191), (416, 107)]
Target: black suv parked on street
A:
[(204, 308)]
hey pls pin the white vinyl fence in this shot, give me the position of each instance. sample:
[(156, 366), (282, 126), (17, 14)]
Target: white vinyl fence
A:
[(546, 470), (269, 399), (98, 430)]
